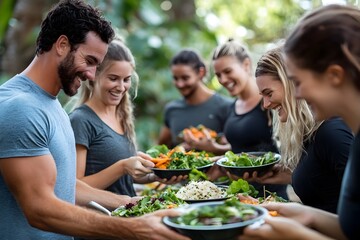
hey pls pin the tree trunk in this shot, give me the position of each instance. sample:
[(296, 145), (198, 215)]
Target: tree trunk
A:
[(20, 39), (183, 10)]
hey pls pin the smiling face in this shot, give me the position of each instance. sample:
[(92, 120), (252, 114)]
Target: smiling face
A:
[(273, 94), (113, 82), (232, 74), (80, 64), (317, 89), (185, 79)]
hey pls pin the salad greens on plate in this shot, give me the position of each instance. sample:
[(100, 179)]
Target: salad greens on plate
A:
[(148, 204), (231, 211), (247, 160)]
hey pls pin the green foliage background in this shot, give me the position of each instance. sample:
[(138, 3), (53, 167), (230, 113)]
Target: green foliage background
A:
[(154, 35)]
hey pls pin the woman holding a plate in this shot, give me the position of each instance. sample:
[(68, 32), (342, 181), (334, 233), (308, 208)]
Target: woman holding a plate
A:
[(248, 125), (326, 73), (313, 153), (103, 125)]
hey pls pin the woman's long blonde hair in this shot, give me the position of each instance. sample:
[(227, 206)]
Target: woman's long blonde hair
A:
[(300, 125), (117, 51)]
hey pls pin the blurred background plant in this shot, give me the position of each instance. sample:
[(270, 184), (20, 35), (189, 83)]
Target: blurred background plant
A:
[(155, 30)]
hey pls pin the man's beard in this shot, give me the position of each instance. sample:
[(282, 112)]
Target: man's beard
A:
[(68, 75)]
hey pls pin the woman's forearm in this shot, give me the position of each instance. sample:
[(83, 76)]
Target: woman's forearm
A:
[(106, 177), (86, 193), (327, 223)]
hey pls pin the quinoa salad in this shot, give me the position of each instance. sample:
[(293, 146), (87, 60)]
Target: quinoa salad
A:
[(201, 190)]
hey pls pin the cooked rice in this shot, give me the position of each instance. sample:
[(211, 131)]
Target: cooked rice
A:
[(200, 190)]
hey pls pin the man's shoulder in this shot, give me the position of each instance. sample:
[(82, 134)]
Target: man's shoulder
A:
[(21, 103), (21, 107), (17, 90)]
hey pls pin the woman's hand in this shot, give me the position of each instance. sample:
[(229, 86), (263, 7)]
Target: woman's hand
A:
[(136, 166), (303, 214), (278, 228), (215, 172), (144, 155), (246, 198), (173, 180), (277, 175), (292, 223), (206, 143)]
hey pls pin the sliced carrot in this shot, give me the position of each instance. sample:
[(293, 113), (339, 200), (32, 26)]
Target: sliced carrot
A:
[(161, 162), (213, 134), (162, 166), (248, 201), (273, 213), (156, 160), (170, 152)]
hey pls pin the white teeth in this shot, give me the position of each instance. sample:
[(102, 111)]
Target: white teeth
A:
[(230, 85), (115, 94)]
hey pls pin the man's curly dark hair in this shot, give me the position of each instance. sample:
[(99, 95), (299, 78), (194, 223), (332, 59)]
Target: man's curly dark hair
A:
[(74, 19)]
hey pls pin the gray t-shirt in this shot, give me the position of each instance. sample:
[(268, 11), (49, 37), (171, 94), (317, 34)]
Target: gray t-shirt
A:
[(33, 123), (105, 146), (212, 114)]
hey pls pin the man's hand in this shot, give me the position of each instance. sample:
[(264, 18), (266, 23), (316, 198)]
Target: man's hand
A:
[(150, 227)]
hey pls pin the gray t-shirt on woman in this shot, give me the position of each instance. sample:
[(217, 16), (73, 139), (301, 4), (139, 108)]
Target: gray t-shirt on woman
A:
[(105, 146)]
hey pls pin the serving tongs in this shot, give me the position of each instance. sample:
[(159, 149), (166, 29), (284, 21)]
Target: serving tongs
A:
[(97, 206)]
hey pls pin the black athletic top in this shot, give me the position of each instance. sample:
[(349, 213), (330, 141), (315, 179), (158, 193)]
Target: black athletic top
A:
[(349, 204), (249, 132), (317, 178), (252, 132)]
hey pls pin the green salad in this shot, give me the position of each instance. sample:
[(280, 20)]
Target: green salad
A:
[(231, 211), (177, 158), (148, 204), (243, 187), (188, 160), (247, 160), (155, 151)]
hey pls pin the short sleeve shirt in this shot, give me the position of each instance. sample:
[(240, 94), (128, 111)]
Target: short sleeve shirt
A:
[(212, 114), (33, 123), (105, 147)]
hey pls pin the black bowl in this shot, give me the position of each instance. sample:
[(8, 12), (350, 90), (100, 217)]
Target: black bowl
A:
[(168, 173), (224, 232), (239, 171), (224, 182)]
